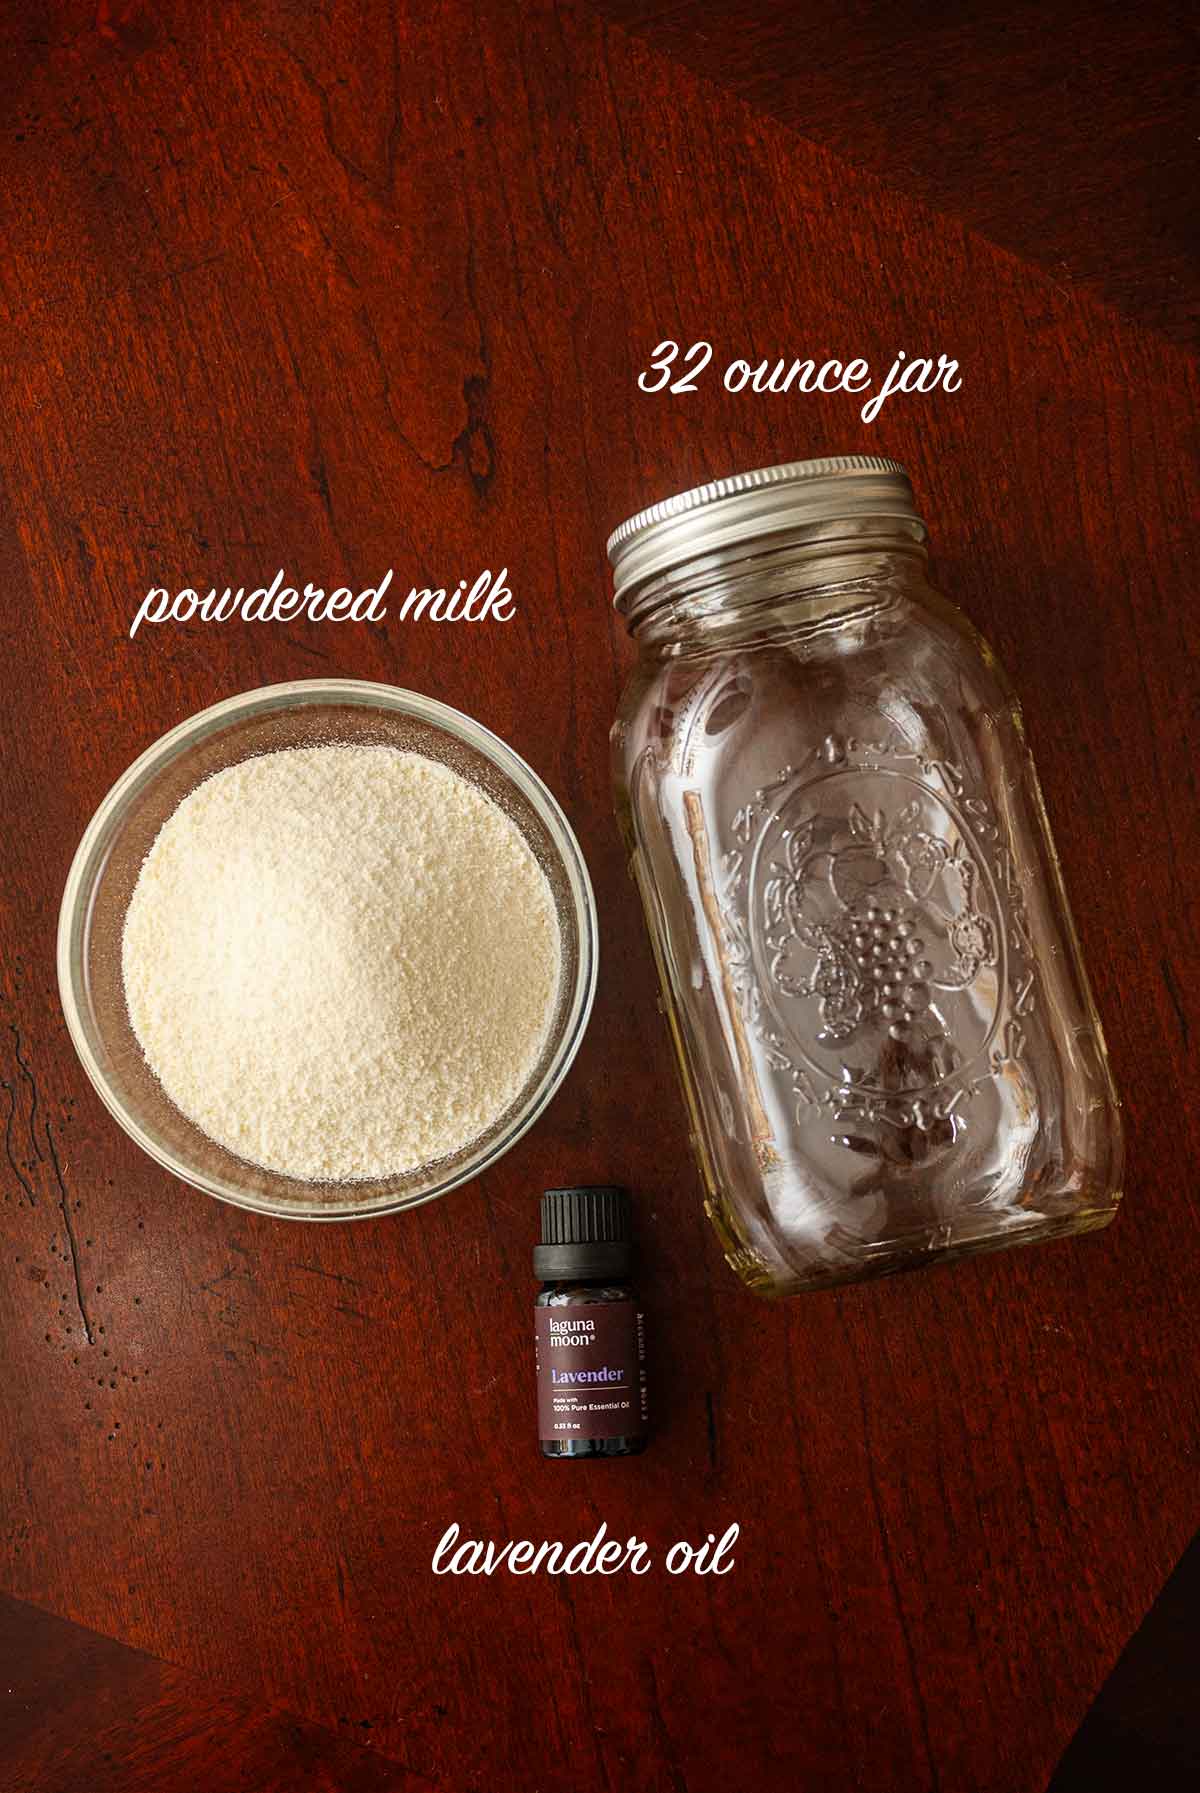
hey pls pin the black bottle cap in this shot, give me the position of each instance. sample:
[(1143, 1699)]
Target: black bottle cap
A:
[(585, 1235)]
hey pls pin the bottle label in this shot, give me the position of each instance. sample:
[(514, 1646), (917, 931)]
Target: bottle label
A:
[(591, 1371)]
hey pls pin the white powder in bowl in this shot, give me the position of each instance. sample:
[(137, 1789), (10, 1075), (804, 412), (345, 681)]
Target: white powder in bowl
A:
[(341, 962)]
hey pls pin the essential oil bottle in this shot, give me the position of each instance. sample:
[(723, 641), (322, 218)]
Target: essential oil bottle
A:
[(591, 1350)]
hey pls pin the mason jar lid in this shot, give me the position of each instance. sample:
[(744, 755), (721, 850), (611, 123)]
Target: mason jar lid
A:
[(746, 506)]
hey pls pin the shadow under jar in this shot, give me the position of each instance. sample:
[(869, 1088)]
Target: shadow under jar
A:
[(888, 1046)]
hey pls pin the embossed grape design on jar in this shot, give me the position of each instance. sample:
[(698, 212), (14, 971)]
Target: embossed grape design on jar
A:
[(889, 1051)]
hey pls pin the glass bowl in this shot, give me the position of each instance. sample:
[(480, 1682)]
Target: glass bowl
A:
[(105, 869)]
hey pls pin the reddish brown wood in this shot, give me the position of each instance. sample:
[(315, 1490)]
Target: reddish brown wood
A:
[(83, 1712), (1067, 133), (1140, 1726), (355, 288)]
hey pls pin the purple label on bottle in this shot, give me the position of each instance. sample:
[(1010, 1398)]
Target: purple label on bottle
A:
[(591, 1371)]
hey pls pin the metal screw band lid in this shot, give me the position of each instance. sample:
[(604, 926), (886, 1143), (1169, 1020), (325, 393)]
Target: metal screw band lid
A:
[(768, 501)]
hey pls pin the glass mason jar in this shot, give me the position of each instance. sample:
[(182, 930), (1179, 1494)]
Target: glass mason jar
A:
[(889, 1050)]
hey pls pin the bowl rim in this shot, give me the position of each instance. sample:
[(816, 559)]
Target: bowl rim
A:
[(367, 694)]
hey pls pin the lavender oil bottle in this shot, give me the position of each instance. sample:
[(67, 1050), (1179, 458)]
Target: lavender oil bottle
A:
[(591, 1372)]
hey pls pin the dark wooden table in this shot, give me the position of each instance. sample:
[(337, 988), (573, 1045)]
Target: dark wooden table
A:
[(338, 288)]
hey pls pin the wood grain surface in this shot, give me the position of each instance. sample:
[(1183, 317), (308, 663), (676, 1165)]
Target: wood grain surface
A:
[(344, 287), (86, 1715), (1066, 131), (1140, 1729)]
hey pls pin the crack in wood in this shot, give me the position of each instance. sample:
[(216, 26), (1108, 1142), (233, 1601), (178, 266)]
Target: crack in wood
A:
[(65, 1207), (22, 1179), (1173, 991), (27, 1073)]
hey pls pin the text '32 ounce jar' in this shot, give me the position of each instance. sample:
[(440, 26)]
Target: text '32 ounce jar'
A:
[(888, 1046)]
